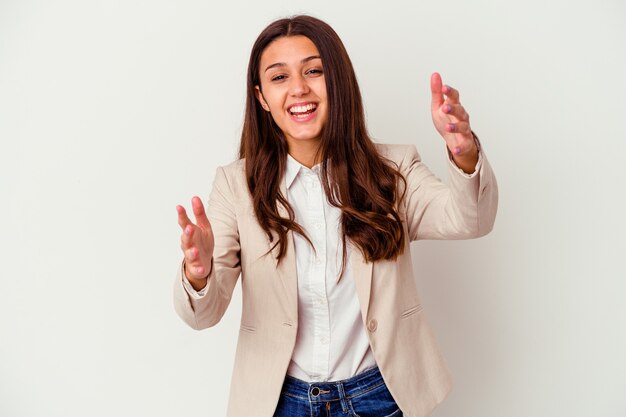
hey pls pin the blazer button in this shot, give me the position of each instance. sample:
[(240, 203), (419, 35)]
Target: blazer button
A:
[(372, 325)]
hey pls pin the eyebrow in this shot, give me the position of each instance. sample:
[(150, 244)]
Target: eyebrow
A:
[(282, 64)]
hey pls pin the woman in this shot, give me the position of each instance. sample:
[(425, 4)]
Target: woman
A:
[(317, 220)]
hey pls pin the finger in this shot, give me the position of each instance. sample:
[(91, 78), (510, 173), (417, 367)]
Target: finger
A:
[(462, 147), (186, 239), (195, 271), (452, 95), (198, 211), (456, 110), (199, 271), (436, 91), (460, 127), (459, 150), (191, 254), (460, 143), (183, 220)]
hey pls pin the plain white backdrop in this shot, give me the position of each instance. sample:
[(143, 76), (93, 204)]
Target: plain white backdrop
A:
[(113, 112)]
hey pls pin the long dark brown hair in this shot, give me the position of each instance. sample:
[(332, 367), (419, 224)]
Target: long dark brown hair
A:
[(355, 177)]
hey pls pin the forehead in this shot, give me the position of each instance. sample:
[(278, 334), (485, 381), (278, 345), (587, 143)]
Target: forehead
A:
[(288, 50)]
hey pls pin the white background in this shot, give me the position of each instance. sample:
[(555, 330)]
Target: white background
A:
[(112, 112)]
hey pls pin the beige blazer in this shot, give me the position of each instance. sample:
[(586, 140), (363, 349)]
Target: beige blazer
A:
[(400, 336)]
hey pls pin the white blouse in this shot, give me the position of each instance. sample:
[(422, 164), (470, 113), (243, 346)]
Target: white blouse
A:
[(332, 342)]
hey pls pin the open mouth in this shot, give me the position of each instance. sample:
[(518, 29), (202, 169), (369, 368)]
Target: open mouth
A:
[(302, 111)]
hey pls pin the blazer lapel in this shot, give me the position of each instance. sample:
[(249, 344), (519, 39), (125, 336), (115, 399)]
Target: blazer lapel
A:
[(362, 273), (286, 269)]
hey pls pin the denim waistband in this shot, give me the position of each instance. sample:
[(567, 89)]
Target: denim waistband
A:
[(333, 390)]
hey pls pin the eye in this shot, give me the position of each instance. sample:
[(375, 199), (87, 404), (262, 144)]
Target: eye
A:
[(315, 71), (278, 77)]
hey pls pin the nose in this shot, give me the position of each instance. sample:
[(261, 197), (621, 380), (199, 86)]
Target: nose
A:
[(298, 86)]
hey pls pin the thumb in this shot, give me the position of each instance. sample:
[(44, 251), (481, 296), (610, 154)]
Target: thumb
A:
[(198, 211), (436, 88)]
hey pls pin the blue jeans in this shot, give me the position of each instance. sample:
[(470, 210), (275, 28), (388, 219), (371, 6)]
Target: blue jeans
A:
[(364, 395)]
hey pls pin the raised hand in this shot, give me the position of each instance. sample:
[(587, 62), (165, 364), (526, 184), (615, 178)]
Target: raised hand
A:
[(197, 242), (452, 122)]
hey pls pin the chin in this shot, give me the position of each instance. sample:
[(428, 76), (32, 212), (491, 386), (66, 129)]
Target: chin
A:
[(306, 138)]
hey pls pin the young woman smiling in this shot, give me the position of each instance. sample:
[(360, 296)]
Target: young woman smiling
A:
[(317, 220)]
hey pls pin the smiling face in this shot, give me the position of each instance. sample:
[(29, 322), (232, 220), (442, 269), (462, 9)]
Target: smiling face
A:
[(293, 89)]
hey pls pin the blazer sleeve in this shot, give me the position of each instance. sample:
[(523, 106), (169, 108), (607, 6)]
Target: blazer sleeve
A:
[(464, 208), (200, 313)]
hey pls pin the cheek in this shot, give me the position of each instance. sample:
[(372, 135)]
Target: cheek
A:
[(321, 88), (278, 116), (274, 101)]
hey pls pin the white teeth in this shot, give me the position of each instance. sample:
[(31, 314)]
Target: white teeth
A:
[(302, 109)]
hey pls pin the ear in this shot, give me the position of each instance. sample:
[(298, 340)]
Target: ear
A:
[(259, 96)]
